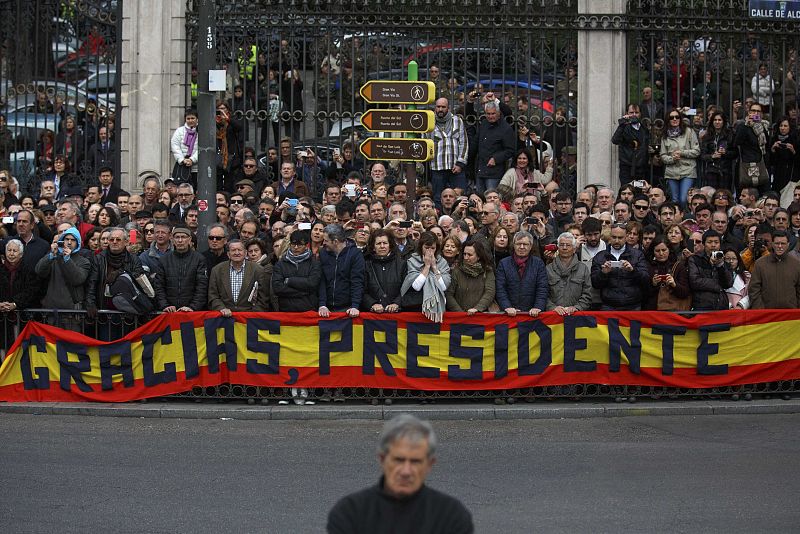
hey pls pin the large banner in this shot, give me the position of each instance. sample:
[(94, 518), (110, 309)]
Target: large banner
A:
[(176, 352)]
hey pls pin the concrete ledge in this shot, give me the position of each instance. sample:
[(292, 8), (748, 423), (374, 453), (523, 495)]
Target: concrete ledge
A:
[(453, 411)]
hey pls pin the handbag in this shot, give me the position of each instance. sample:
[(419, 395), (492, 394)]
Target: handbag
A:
[(753, 174), (181, 173), (669, 302)]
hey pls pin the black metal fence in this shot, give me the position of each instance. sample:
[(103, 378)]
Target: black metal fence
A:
[(300, 64), (59, 88)]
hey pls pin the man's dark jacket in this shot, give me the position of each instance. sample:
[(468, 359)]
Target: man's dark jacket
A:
[(181, 280), (373, 511), (621, 288), (296, 285), (96, 283), (708, 283)]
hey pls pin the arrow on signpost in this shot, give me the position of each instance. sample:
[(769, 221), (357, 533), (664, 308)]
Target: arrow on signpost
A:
[(398, 92), (396, 120), (381, 148)]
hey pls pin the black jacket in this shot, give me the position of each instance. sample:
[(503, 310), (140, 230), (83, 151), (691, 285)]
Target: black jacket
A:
[(493, 140), (621, 288), (181, 280), (708, 283), (296, 285), (342, 285), (633, 147), (383, 279), (212, 260), (96, 283), (373, 511)]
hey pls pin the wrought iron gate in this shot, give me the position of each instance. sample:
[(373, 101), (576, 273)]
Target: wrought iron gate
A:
[(58, 62)]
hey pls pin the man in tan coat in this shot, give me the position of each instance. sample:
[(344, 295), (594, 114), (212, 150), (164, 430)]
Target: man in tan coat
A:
[(776, 277)]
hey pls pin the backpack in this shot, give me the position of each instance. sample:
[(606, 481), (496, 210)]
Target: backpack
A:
[(128, 298)]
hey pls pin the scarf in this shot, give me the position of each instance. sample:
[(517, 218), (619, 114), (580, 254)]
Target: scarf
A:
[(190, 139), (222, 143), (295, 259), (473, 271), (433, 298), (522, 177), (522, 263), (115, 262), (446, 122), (673, 132), (761, 132)]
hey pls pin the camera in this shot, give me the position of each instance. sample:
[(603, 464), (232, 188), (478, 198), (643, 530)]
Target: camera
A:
[(472, 204), (749, 213), (263, 219), (405, 224), (759, 246), (638, 183), (716, 255)]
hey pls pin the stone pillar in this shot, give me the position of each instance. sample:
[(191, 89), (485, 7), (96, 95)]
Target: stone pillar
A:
[(153, 86), (602, 90)]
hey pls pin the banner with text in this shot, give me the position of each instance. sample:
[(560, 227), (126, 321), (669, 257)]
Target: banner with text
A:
[(176, 352)]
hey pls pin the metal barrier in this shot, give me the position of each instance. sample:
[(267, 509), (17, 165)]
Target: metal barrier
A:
[(108, 325)]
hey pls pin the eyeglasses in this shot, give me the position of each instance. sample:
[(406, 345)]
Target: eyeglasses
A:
[(487, 212), (673, 117), (216, 237), (566, 203), (722, 197), (641, 207)]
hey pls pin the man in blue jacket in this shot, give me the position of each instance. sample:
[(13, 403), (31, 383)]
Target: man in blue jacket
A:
[(342, 263), (521, 281)]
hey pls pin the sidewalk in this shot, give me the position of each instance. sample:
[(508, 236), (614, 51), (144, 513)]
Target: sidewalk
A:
[(452, 411)]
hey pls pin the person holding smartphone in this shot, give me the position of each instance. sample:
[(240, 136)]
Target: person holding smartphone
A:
[(620, 273), (633, 140)]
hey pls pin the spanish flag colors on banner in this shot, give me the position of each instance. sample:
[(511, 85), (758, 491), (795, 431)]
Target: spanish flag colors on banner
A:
[(176, 352)]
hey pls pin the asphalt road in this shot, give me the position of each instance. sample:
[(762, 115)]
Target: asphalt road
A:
[(737, 473)]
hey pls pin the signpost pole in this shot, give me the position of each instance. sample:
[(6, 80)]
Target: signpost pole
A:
[(207, 147), (411, 167)]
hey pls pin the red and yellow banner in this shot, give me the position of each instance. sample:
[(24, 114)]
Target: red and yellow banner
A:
[(176, 352)]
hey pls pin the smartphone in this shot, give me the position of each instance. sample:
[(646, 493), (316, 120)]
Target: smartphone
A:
[(350, 189), (132, 237), (552, 247), (304, 226), (532, 185), (336, 152), (530, 220), (359, 226), (615, 264), (405, 224), (8, 220), (292, 202), (638, 183), (691, 112)]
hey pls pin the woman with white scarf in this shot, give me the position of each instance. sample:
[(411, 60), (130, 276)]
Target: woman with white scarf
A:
[(428, 275)]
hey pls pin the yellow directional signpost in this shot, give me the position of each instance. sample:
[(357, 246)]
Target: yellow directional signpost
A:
[(398, 120), (398, 92), (384, 148)]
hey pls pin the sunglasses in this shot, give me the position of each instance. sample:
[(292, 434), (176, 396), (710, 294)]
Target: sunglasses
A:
[(673, 117), (216, 237), (640, 207), (237, 201)]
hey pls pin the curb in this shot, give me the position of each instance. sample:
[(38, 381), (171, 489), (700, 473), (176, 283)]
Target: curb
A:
[(441, 412)]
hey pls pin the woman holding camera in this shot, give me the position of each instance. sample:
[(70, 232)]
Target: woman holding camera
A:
[(718, 152), (669, 279), (783, 154), (516, 179), (679, 152)]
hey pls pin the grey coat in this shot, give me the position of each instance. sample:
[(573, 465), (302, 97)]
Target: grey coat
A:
[(570, 285)]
